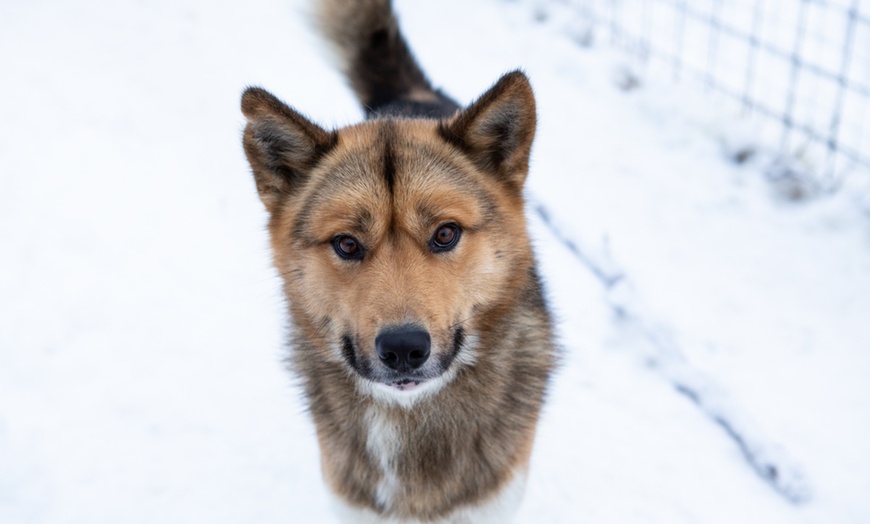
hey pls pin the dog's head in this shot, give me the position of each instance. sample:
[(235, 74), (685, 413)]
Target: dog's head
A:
[(399, 240)]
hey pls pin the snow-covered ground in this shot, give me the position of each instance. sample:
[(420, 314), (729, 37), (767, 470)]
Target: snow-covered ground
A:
[(141, 325)]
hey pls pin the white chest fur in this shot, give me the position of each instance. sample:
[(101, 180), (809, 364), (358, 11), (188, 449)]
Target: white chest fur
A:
[(383, 443)]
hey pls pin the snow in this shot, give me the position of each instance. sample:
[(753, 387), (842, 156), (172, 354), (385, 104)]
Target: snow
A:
[(141, 324)]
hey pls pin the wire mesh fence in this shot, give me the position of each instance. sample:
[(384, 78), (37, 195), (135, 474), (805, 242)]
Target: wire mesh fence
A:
[(802, 67)]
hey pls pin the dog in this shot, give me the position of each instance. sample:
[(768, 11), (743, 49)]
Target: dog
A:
[(418, 321)]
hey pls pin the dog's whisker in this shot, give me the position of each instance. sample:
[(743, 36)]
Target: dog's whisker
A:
[(463, 321)]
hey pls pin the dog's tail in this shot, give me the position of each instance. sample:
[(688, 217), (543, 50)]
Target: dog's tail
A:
[(377, 61)]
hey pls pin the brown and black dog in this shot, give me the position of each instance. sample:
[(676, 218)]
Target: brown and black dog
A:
[(419, 326)]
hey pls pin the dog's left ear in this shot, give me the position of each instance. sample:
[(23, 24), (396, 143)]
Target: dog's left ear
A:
[(496, 131)]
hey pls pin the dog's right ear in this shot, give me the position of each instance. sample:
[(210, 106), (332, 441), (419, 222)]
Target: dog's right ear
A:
[(281, 145)]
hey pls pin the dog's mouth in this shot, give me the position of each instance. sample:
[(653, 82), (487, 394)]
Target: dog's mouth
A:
[(405, 384)]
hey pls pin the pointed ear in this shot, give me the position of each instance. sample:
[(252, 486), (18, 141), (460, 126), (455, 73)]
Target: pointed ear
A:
[(496, 131), (281, 145)]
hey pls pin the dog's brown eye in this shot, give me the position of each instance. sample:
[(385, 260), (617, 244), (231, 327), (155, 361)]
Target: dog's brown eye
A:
[(347, 247), (445, 238)]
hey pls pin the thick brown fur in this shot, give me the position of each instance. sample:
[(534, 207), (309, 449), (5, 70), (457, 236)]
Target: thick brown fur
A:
[(390, 182)]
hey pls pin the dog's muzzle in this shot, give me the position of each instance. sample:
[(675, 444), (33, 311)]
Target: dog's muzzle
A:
[(404, 356)]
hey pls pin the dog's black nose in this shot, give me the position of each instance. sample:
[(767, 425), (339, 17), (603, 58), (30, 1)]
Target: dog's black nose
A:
[(403, 348)]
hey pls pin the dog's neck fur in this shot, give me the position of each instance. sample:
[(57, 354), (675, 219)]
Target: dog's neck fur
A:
[(458, 447)]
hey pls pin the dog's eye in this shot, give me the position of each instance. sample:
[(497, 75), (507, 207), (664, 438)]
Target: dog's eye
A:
[(347, 247), (445, 238)]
